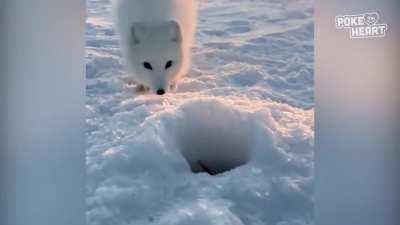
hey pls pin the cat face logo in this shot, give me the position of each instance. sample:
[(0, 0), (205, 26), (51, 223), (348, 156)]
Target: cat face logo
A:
[(366, 25), (371, 18)]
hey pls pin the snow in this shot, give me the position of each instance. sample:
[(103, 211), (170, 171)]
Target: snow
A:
[(245, 110)]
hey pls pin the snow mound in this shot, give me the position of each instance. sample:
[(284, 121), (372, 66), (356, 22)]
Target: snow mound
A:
[(242, 141)]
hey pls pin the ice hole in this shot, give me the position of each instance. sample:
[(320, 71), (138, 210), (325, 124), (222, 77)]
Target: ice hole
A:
[(214, 137)]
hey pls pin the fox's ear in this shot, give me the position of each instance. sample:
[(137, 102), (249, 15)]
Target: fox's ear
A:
[(174, 30), (137, 33)]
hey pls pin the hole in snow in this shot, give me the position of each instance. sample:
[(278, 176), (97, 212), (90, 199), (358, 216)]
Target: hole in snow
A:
[(213, 137)]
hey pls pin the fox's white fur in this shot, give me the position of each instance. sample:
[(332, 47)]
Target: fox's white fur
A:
[(156, 32)]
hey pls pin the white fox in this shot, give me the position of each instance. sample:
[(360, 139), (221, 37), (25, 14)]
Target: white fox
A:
[(156, 39)]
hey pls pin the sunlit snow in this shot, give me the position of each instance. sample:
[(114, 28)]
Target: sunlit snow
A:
[(245, 110)]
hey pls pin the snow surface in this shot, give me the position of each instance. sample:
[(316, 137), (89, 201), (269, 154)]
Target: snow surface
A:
[(249, 95)]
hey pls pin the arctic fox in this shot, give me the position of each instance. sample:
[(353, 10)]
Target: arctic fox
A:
[(156, 38)]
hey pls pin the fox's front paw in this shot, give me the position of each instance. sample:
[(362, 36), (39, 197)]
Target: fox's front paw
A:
[(173, 86), (128, 81), (141, 88)]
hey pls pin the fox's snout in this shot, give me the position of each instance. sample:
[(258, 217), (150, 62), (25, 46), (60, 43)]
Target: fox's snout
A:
[(160, 85)]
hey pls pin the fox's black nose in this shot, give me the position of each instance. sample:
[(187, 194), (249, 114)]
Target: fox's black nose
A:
[(160, 91)]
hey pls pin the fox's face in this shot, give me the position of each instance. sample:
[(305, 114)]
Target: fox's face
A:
[(155, 53)]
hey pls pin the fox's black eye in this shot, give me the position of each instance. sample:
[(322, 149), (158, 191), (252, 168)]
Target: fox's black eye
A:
[(168, 65), (147, 66)]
